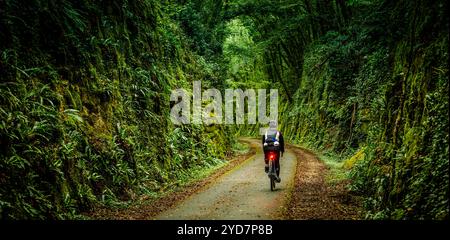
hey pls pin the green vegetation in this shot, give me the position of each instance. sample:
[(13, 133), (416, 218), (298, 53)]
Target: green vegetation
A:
[(84, 106), (85, 96), (386, 96), (337, 171), (366, 79)]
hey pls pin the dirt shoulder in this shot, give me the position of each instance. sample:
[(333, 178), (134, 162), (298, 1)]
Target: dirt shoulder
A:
[(314, 198)]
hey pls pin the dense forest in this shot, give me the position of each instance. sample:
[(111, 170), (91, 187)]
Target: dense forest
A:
[(85, 96)]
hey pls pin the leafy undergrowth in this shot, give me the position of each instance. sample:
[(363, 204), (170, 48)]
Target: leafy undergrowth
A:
[(85, 106), (337, 173)]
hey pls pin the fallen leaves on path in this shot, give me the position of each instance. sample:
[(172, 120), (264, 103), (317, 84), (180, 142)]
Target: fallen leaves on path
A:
[(313, 198)]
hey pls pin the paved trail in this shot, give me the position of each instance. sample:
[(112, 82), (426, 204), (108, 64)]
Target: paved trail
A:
[(243, 193)]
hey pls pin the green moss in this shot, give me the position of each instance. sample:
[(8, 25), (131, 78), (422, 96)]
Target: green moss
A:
[(357, 157), (104, 116)]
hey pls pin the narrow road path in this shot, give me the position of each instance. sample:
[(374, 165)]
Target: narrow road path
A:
[(243, 193), (241, 190)]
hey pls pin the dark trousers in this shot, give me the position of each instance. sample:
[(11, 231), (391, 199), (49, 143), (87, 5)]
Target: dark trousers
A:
[(277, 161)]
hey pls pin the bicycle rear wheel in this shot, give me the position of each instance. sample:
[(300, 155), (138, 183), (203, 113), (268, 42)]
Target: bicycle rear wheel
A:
[(271, 176), (272, 183)]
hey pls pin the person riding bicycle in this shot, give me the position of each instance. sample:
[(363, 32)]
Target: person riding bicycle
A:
[(273, 140)]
